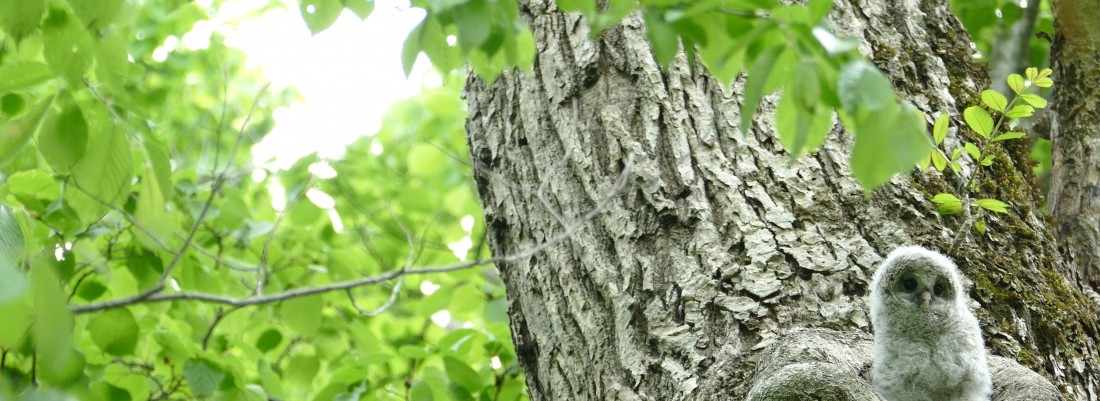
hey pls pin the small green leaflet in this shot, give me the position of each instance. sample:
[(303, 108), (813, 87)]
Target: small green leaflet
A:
[(320, 14), (1009, 135), (1034, 100), (994, 100), (420, 391), (11, 246), (939, 130), (992, 205), (461, 373), (978, 120), (979, 226), (947, 204), (1016, 82), (64, 136), (1020, 111), (662, 37), (972, 150), (20, 18), (115, 331), (22, 74), (202, 376), (862, 85), (759, 71)]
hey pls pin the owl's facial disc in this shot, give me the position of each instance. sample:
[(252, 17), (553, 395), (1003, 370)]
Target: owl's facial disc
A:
[(925, 297)]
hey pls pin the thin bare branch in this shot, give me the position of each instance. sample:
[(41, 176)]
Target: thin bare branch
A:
[(219, 180), (620, 183), (261, 270)]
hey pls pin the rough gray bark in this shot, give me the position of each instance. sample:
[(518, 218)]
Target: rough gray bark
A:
[(1075, 135), (719, 248)]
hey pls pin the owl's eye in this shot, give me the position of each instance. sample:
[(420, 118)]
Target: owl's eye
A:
[(909, 284), (937, 289)]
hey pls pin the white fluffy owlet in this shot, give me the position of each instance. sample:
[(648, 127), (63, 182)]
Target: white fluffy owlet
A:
[(928, 346)]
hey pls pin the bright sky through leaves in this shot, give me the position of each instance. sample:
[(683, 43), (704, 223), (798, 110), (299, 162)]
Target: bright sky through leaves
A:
[(347, 75)]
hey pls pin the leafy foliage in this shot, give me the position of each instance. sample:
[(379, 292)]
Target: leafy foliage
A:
[(143, 256), (988, 131)]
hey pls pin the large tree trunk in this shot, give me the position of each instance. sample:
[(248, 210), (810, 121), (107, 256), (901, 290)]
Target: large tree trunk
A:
[(1075, 136), (693, 282)]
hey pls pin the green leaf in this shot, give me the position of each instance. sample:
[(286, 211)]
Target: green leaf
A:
[(832, 44), (461, 373), (947, 204), (1031, 73), (1009, 135), (800, 131), (979, 226), (819, 9), (420, 391), (978, 120), (994, 100), (663, 39), (474, 24), (939, 160), (202, 376), (1020, 111), (1043, 82), (11, 243), (64, 136), (1046, 72), (939, 130), (15, 134), (53, 324), (90, 290), (973, 150), (320, 14), (107, 167), (987, 161), (525, 49), (303, 314), (761, 68), (23, 74), (888, 142), (12, 104), (992, 205), (412, 351), (96, 14), (67, 48), (20, 18), (1034, 100), (301, 371), (862, 86), (361, 8), (956, 153), (411, 49), (1016, 82), (115, 331), (152, 214), (269, 340), (112, 64)]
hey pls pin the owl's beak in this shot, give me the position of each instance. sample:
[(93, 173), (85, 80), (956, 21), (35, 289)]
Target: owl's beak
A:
[(925, 297)]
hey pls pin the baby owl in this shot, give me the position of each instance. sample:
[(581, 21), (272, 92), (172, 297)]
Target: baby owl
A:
[(927, 342)]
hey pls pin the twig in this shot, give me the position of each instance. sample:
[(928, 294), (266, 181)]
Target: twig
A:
[(261, 270), (219, 180), (344, 285), (218, 315)]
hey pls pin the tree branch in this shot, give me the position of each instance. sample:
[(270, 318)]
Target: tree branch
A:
[(147, 297)]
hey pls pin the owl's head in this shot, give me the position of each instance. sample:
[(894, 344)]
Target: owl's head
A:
[(915, 282)]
